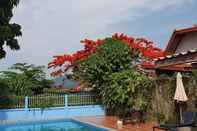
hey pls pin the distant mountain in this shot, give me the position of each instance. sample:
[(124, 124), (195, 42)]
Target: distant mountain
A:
[(67, 83)]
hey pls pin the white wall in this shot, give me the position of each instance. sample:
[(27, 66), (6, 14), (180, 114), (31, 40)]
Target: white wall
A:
[(189, 42)]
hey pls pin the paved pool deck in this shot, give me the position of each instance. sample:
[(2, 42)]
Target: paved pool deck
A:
[(110, 123)]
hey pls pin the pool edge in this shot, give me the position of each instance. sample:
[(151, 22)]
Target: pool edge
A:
[(93, 124)]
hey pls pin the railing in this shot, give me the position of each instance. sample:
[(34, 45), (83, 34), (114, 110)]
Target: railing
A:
[(19, 102), (12, 102), (82, 99), (53, 100), (46, 101)]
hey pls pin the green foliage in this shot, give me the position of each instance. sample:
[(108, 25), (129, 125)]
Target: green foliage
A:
[(4, 93), (110, 70), (8, 31), (112, 56), (3, 88), (128, 89), (78, 100), (25, 79), (44, 103), (56, 91), (165, 91)]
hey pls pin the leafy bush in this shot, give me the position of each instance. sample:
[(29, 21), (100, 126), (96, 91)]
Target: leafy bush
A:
[(44, 103), (163, 100), (127, 90), (5, 101), (25, 79), (56, 91), (112, 56), (111, 71)]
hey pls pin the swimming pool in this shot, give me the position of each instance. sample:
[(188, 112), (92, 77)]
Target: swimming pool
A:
[(61, 125)]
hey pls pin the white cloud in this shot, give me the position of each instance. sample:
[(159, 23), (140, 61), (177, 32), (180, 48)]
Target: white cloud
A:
[(56, 26)]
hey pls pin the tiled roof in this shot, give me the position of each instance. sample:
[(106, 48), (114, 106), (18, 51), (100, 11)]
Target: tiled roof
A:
[(176, 55)]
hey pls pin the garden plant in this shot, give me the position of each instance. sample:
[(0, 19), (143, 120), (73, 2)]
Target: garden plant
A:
[(110, 67)]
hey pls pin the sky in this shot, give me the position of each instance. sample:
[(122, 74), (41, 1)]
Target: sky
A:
[(52, 27)]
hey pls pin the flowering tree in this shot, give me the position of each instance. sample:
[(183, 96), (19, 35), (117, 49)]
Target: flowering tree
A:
[(108, 66), (140, 46)]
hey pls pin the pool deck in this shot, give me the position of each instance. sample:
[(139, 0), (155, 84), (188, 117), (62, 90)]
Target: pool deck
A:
[(110, 123)]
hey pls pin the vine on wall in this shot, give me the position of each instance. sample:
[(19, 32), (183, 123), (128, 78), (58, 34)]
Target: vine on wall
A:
[(165, 108)]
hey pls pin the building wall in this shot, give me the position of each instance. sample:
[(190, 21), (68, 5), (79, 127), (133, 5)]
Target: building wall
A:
[(189, 42)]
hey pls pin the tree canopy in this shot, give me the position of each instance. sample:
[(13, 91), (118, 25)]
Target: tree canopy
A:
[(112, 56), (109, 67), (111, 72), (8, 31), (138, 46), (25, 79)]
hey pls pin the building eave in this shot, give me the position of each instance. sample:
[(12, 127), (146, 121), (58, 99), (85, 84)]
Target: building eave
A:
[(176, 38)]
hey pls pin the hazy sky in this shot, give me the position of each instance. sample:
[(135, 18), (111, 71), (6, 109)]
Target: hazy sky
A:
[(53, 27)]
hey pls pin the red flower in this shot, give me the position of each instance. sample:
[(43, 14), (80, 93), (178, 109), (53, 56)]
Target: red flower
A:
[(145, 47)]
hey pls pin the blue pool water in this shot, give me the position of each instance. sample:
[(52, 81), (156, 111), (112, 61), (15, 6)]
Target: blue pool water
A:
[(63, 125)]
